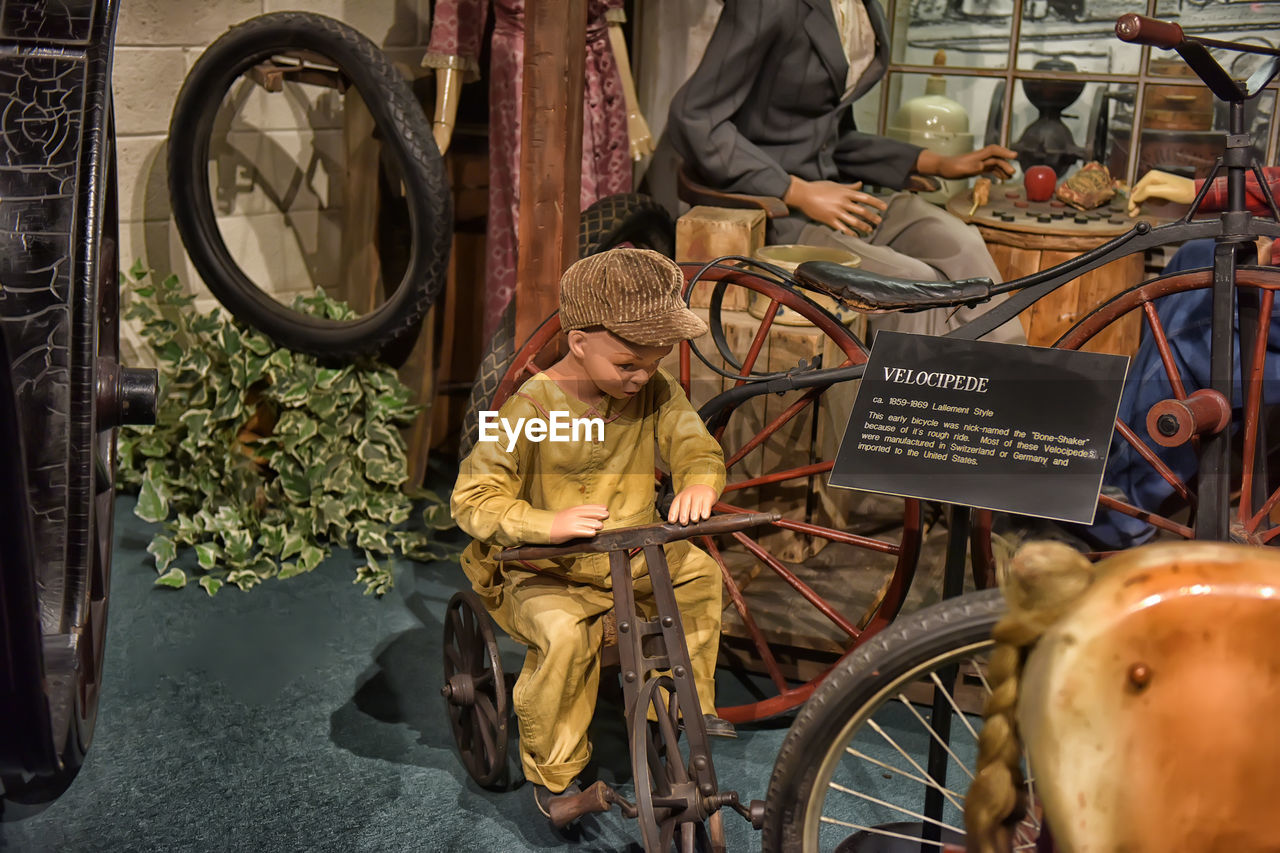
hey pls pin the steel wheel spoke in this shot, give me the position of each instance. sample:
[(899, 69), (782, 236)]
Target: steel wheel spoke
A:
[(982, 676), (900, 809), (1030, 782), (875, 830), (915, 764), (951, 700), (927, 781), (933, 734)]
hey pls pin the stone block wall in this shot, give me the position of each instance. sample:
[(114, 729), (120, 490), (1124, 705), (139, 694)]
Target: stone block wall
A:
[(279, 176)]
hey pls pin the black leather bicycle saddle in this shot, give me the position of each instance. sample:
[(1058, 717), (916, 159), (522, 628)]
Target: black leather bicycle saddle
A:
[(867, 291)]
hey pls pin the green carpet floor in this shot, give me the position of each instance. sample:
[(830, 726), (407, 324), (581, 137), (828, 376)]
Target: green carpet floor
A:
[(304, 716)]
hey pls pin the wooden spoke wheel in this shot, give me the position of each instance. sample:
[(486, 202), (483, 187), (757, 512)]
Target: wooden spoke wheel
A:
[(69, 394), (475, 691), (1251, 495), (836, 568), (669, 802)]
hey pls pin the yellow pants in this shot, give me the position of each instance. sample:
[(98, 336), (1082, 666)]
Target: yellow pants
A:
[(559, 622)]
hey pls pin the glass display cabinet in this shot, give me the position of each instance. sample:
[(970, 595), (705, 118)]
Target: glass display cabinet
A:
[(1050, 79)]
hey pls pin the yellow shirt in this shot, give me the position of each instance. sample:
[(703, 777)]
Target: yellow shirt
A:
[(509, 497)]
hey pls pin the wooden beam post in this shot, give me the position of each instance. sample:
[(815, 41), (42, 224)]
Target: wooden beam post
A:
[(555, 39)]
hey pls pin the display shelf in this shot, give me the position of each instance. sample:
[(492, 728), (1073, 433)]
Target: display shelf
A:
[(993, 47)]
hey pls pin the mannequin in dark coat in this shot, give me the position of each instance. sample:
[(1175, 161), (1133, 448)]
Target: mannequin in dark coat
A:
[(769, 112)]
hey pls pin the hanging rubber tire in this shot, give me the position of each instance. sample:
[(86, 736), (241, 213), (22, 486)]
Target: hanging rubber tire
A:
[(493, 366), (829, 790), (60, 319), (840, 572), (406, 138), (628, 218)]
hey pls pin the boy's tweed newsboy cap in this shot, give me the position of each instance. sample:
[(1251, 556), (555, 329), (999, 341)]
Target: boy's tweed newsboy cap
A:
[(634, 293)]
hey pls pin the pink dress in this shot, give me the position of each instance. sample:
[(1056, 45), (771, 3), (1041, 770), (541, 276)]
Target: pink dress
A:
[(456, 31)]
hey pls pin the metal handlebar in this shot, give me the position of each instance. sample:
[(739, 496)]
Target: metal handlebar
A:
[(1139, 29), (625, 538)]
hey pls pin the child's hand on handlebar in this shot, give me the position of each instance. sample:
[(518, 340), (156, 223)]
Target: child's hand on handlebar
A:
[(1157, 184), (585, 520), (692, 504)]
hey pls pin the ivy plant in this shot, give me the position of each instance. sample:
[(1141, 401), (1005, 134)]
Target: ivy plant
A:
[(263, 460)]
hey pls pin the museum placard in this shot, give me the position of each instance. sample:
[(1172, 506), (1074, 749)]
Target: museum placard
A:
[(1004, 427)]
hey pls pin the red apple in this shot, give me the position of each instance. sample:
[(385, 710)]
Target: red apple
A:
[(1040, 182)]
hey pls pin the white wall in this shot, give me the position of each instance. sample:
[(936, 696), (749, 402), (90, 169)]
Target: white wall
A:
[(285, 249)]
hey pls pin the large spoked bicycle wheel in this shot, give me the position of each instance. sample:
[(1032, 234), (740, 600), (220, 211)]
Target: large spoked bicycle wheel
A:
[(304, 47), (855, 771), (1164, 469), (837, 567)]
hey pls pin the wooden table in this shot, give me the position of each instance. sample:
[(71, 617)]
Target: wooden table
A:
[(1027, 236)]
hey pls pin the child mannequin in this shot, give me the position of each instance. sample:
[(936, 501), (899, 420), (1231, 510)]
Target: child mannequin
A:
[(623, 313)]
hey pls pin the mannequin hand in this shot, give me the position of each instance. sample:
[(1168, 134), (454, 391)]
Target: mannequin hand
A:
[(1157, 184), (445, 115), (585, 520), (692, 504), (640, 135), (840, 206), (443, 134), (992, 158)]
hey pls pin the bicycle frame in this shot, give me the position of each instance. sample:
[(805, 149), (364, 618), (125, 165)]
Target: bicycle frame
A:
[(1234, 232)]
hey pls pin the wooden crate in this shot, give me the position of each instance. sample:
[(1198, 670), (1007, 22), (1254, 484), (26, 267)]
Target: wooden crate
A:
[(706, 233)]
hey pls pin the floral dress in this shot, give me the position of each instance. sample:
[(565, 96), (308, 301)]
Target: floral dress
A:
[(456, 29)]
